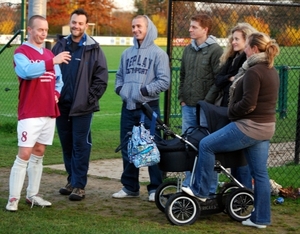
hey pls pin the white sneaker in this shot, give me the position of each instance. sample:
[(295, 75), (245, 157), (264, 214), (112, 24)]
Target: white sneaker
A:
[(123, 194), (37, 201), (248, 222), (152, 197), (190, 192), (12, 204)]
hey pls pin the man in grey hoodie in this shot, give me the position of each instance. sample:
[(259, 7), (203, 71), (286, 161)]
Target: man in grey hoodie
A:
[(143, 74)]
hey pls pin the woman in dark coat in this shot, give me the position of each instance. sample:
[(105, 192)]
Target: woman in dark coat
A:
[(231, 60)]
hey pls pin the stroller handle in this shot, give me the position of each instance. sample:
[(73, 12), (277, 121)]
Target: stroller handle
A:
[(149, 112)]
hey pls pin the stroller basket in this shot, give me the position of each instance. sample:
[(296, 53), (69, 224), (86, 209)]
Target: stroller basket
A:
[(178, 154), (180, 161), (177, 161)]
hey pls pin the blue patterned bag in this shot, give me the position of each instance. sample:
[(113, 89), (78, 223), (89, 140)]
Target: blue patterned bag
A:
[(141, 148)]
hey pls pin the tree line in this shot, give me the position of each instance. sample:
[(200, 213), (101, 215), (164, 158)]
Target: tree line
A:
[(109, 20)]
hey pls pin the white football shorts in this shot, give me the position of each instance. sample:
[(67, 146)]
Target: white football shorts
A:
[(34, 130)]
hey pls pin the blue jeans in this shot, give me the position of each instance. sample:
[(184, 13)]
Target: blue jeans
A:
[(188, 117), (242, 174), (130, 175), (75, 137), (227, 139)]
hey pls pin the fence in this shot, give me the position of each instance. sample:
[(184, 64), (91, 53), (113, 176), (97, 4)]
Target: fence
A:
[(279, 19)]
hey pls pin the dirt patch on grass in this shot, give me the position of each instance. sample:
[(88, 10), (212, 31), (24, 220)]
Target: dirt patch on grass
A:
[(98, 193), (285, 218)]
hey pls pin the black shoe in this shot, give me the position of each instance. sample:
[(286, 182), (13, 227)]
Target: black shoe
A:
[(67, 190), (77, 194)]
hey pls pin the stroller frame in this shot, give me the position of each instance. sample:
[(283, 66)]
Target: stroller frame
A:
[(182, 209)]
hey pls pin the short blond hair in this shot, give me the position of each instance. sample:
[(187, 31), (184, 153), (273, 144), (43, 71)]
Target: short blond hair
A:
[(33, 18), (142, 17)]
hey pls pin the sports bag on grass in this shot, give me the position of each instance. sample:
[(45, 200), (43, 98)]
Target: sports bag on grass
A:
[(142, 150)]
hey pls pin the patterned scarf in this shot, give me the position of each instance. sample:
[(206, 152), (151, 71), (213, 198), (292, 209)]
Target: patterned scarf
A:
[(251, 61)]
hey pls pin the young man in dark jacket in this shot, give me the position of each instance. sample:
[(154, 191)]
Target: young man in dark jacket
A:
[(85, 78), (199, 67)]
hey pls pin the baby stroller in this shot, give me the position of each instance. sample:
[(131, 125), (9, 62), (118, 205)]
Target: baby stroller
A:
[(179, 154)]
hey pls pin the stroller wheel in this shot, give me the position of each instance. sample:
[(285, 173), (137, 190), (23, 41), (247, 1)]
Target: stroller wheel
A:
[(182, 209), (163, 192), (240, 204), (224, 191)]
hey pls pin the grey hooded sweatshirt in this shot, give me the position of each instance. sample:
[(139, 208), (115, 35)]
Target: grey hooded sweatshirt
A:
[(144, 71)]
